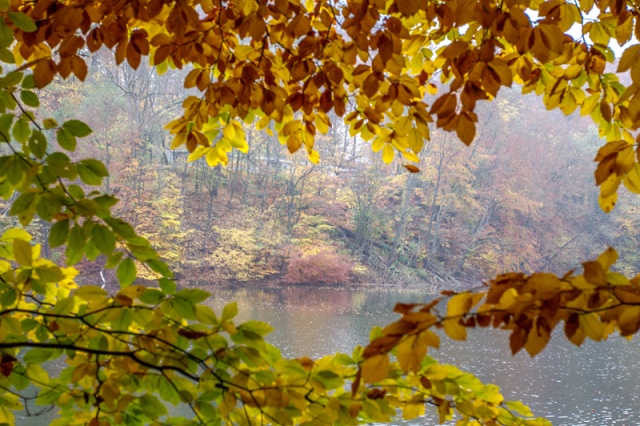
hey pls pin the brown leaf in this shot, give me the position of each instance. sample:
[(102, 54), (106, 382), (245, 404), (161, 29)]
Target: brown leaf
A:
[(356, 383), (571, 325), (517, 340), (376, 393), (6, 365), (191, 334)]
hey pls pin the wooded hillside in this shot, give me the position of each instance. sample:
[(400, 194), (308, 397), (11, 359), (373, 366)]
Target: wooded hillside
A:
[(509, 203)]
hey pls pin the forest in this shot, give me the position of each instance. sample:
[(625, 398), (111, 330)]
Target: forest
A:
[(505, 204)]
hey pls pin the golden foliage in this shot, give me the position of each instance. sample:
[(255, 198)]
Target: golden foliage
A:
[(288, 64)]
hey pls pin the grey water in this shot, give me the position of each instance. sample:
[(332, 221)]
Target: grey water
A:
[(596, 384)]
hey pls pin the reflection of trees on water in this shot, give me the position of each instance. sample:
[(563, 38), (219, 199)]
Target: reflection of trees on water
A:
[(593, 384)]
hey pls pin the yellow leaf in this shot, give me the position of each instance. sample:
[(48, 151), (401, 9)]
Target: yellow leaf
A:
[(387, 153), (375, 369), (624, 161), (629, 58), (608, 258), (610, 185), (595, 273), (377, 144), (444, 411), (632, 179), (465, 128), (413, 408), (454, 329), (314, 156), (198, 153), (294, 142), (537, 339), (589, 104), (592, 327), (608, 203), (228, 403), (415, 140), (461, 304), (581, 283), (411, 352), (545, 286), (403, 125), (229, 131), (410, 156), (132, 292), (629, 320)]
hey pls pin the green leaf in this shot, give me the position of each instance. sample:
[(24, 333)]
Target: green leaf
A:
[(168, 286), (121, 227), (77, 128), (152, 407), (6, 36), (77, 239), (6, 55), (329, 379), (183, 307), (22, 251), (49, 274), (11, 79), (206, 315), (5, 124), (126, 272), (58, 233), (229, 311), (152, 296), (28, 82), (90, 292), (66, 140), (114, 259), (8, 297), (30, 98), (37, 356), (25, 207), (103, 239), (160, 267), (519, 408), (92, 171), (194, 295), (21, 130), (258, 327), (38, 144), (22, 21), (64, 306), (49, 123)]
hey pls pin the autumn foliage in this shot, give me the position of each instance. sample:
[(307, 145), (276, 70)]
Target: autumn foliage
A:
[(392, 72), (325, 267)]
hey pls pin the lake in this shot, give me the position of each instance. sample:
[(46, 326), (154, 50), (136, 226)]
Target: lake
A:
[(596, 384)]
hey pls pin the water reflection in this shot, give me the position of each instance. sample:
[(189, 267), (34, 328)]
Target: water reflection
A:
[(596, 384)]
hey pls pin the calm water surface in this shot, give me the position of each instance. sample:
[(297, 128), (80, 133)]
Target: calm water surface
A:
[(596, 384)]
